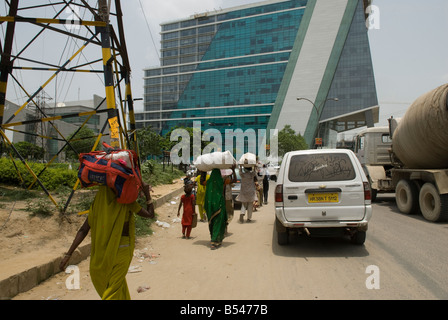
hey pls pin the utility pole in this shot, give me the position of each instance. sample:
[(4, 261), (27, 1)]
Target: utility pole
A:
[(113, 47), (42, 129), (5, 62), (103, 12)]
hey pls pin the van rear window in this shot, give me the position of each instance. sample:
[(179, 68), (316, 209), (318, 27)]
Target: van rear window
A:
[(321, 167)]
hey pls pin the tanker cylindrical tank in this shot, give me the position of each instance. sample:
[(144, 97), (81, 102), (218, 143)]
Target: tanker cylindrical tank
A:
[(420, 140)]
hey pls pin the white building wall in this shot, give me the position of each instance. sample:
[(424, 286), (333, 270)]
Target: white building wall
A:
[(309, 71)]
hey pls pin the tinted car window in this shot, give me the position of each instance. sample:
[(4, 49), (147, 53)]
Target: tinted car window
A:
[(321, 167)]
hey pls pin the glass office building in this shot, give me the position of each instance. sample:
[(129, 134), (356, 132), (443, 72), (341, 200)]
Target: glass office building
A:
[(244, 68)]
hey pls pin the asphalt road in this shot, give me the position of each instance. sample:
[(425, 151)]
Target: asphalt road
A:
[(411, 253), (403, 258)]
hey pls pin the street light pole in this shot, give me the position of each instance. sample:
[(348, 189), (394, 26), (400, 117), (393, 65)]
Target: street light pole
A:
[(317, 109)]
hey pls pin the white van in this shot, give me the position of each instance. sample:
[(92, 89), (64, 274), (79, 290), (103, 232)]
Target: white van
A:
[(322, 192)]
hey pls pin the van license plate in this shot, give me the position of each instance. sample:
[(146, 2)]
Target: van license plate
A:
[(322, 197)]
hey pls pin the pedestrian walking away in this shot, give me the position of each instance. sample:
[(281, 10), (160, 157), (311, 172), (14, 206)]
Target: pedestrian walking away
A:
[(259, 184), (215, 207), (229, 177), (200, 194), (112, 228), (187, 201), (265, 175), (248, 193)]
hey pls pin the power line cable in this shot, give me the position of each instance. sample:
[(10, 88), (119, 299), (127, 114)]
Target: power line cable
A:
[(149, 29)]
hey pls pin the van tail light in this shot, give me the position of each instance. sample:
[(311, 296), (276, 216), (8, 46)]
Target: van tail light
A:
[(367, 191), (279, 193)]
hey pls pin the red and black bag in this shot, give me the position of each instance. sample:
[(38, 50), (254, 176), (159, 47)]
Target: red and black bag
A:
[(100, 168)]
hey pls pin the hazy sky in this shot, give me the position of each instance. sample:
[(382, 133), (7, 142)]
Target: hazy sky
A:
[(409, 50)]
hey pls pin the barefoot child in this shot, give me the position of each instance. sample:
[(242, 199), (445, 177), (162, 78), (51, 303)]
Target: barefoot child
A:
[(188, 202)]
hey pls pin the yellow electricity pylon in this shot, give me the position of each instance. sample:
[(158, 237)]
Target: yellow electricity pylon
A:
[(102, 28)]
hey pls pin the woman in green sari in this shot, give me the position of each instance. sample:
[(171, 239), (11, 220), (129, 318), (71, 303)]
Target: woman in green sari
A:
[(215, 208)]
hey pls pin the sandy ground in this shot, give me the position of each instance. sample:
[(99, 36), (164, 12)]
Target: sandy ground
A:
[(249, 266), (167, 267), (27, 241)]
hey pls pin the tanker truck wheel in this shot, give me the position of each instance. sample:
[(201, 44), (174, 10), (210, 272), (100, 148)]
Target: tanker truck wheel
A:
[(434, 206), (406, 196)]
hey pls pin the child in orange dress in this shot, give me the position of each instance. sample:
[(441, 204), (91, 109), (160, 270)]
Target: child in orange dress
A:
[(188, 202)]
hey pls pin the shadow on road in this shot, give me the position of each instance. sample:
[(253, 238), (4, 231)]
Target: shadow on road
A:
[(303, 247), (207, 243), (387, 201)]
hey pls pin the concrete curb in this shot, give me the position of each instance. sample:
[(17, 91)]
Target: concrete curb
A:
[(28, 279), (159, 202)]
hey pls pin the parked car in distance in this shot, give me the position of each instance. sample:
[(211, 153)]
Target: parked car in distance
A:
[(322, 192), (273, 171)]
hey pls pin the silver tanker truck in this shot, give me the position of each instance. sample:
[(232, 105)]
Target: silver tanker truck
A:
[(410, 156)]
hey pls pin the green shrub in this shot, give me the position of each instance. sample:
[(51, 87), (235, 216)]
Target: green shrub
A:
[(143, 226), (52, 178), (148, 167), (153, 173), (59, 179), (83, 203), (59, 174), (40, 207), (16, 194)]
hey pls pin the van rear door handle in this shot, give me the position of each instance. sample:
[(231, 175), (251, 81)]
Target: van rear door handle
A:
[(292, 197)]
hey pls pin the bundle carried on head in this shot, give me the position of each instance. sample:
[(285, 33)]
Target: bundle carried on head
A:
[(248, 160), (115, 168), (215, 160)]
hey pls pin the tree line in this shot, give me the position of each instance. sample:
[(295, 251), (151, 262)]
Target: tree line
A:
[(150, 143)]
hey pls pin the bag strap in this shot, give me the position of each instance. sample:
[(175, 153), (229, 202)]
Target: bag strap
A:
[(131, 159)]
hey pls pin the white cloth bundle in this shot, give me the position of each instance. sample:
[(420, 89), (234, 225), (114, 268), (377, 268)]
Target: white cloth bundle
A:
[(121, 155), (248, 160), (215, 160)]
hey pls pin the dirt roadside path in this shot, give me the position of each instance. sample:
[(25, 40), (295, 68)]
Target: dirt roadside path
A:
[(169, 267), (29, 241), (250, 266)]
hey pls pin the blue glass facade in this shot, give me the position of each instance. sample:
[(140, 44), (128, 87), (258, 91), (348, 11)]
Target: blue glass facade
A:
[(354, 82), (234, 68)]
